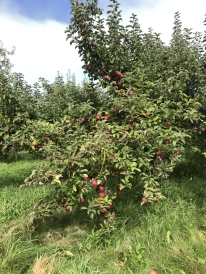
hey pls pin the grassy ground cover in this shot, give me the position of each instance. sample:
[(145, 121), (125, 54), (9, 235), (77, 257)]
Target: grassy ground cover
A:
[(169, 236)]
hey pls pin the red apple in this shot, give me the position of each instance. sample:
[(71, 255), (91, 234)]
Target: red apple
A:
[(176, 152), (98, 117), (106, 77), (67, 208), (169, 124), (108, 206), (119, 193), (153, 271), (94, 182), (119, 74), (104, 210), (144, 199), (116, 40), (89, 67), (82, 200), (119, 84), (130, 92), (174, 159), (106, 118), (166, 141), (94, 44), (35, 100), (158, 153), (86, 178), (113, 75), (205, 156), (101, 188), (101, 73), (203, 129), (102, 194), (112, 217), (156, 200), (113, 175), (35, 144), (123, 94)]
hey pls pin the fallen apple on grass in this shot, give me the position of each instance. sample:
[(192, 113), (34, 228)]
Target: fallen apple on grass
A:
[(153, 271)]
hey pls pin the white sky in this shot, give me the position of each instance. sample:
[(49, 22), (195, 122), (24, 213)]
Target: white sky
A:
[(41, 47)]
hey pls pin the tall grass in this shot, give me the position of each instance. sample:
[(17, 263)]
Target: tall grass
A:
[(169, 236)]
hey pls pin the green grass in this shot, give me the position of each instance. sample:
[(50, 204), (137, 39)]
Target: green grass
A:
[(169, 236)]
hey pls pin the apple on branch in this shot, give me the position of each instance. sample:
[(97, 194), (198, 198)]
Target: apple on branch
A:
[(106, 77), (101, 73), (82, 200), (102, 194), (144, 199), (101, 188), (94, 182), (94, 44), (89, 67), (67, 208), (119, 83), (35, 144), (130, 92), (98, 117)]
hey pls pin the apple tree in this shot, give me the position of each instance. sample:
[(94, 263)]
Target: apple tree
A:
[(134, 138)]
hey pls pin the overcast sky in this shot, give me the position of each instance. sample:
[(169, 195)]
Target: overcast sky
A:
[(36, 29)]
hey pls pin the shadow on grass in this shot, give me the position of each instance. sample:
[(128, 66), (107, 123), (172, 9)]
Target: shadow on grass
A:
[(128, 209), (61, 220), (21, 156), (14, 173)]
